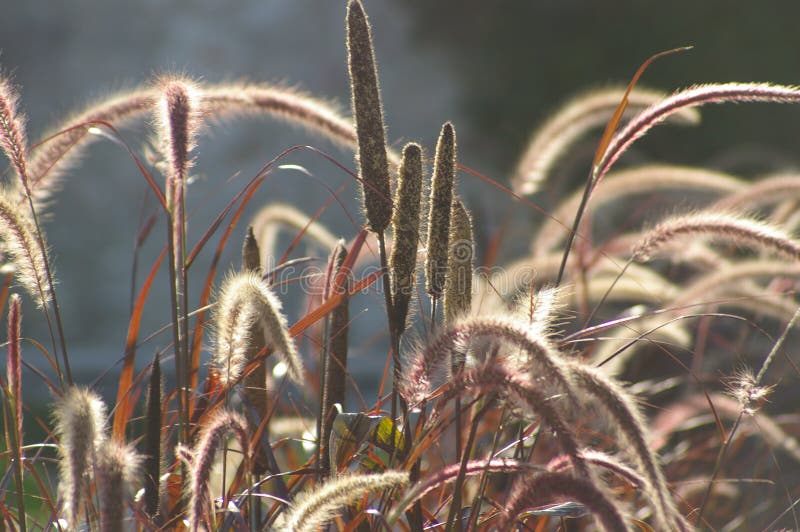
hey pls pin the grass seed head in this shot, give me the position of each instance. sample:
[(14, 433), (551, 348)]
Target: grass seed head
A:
[(406, 231), (366, 101), (442, 184)]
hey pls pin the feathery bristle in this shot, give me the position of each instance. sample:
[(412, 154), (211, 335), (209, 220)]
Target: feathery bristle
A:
[(620, 407), (246, 300), (66, 141), (80, 425), (731, 228), (442, 185), (542, 488), (211, 438), (366, 101), (457, 300), (316, 507), (689, 98), (437, 479), (406, 232), (416, 382), (116, 467), (587, 111), (13, 140), (18, 233), (494, 378), (178, 119)]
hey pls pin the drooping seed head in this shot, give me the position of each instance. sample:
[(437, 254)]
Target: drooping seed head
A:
[(536, 490), (202, 457), (731, 228), (316, 507), (442, 184), (571, 122), (13, 140), (406, 231), (620, 408), (18, 233), (366, 101), (246, 300)]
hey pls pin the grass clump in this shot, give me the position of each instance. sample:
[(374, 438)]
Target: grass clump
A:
[(504, 409)]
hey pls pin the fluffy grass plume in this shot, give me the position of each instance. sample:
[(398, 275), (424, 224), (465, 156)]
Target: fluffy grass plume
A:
[(212, 436), (440, 350), (689, 98), (457, 300), (373, 161), (731, 228), (116, 468), (67, 140), (442, 184), (80, 417), (543, 488), (571, 122), (495, 378), (18, 233), (406, 231), (310, 512), (246, 300), (13, 140), (619, 406)]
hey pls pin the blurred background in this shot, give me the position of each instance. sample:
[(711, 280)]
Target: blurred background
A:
[(496, 69)]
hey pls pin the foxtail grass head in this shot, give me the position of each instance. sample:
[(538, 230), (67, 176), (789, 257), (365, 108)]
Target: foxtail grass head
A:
[(460, 264), (116, 469), (80, 417), (406, 230), (13, 140), (178, 118), (201, 459), (373, 162), (19, 235), (246, 300), (316, 507), (442, 184)]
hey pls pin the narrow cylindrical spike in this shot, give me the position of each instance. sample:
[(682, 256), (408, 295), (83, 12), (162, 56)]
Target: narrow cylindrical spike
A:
[(152, 442), (366, 102), (444, 173), (405, 226), (251, 257), (460, 263), (335, 363)]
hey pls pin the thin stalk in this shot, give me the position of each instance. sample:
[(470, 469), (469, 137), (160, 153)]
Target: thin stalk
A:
[(472, 524), (454, 517), (724, 450), (587, 191), (51, 289)]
